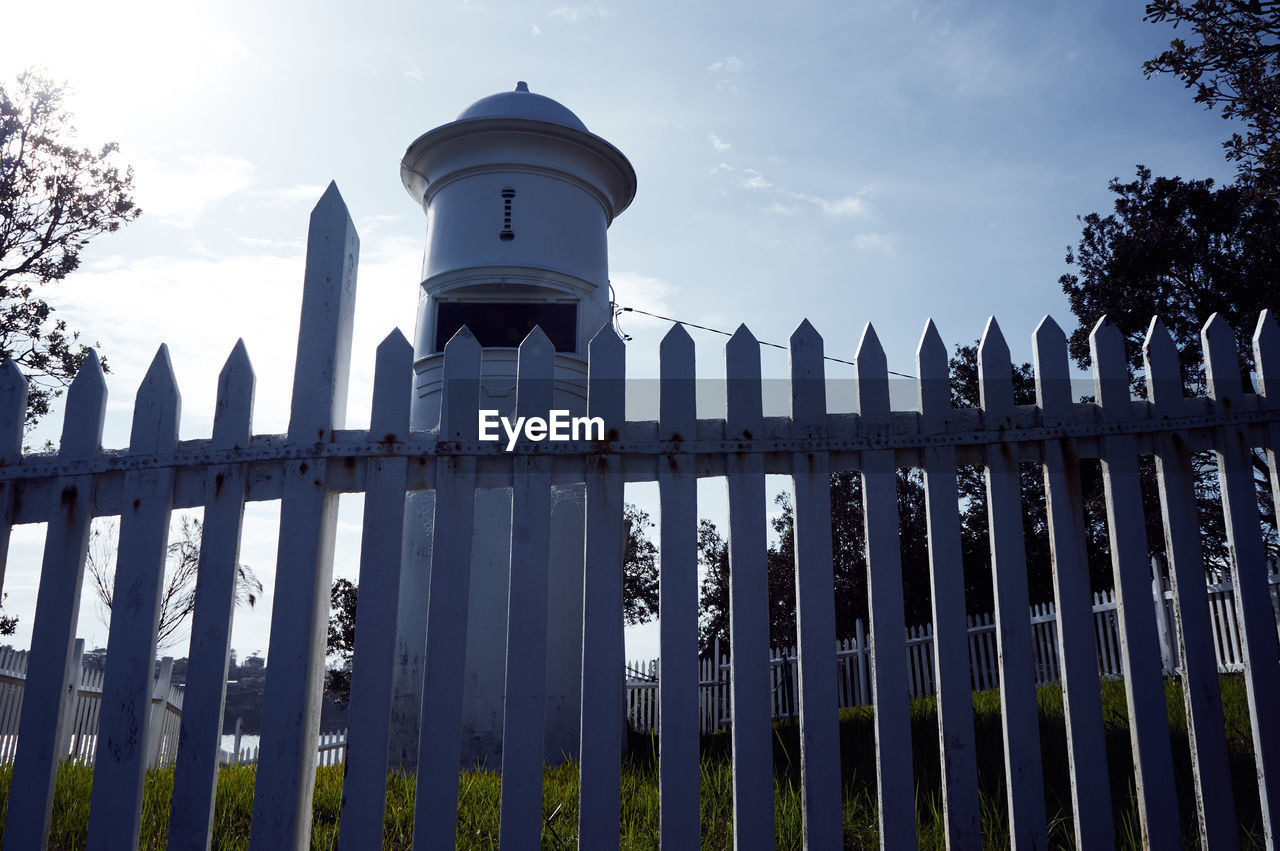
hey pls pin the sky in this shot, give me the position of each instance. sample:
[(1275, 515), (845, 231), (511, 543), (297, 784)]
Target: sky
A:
[(874, 162)]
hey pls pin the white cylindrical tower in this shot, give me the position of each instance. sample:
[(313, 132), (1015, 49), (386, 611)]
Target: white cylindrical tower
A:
[(518, 196)]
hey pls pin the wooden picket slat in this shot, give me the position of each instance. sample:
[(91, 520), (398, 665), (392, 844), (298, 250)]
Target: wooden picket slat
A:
[(522, 730), (200, 739), (946, 584), (1019, 714), (364, 784), (121, 757), (156, 695), (603, 731), (1131, 566), (889, 674), (69, 701), (1076, 653), (1252, 596), (436, 805), (749, 668), (57, 610), (308, 523), (815, 599), (1175, 473), (678, 774)]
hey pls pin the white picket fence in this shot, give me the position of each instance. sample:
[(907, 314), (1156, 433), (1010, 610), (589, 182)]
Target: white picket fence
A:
[(331, 749), (81, 707), (306, 468), (853, 657)]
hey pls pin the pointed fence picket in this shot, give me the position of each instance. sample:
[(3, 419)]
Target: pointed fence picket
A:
[(308, 521), (115, 810), (524, 716), (35, 765), (1248, 564), (946, 583), (815, 682), (1139, 647), (436, 799), (195, 775), (749, 675), (678, 598), (1075, 652), (360, 822), (1142, 633), (1019, 715), (889, 671), (1205, 732)]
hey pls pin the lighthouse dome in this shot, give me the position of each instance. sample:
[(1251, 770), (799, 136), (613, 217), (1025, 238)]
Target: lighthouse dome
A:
[(523, 103)]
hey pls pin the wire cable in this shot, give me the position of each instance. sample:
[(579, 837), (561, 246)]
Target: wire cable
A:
[(620, 309)]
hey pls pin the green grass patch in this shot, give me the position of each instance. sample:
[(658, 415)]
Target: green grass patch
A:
[(480, 791)]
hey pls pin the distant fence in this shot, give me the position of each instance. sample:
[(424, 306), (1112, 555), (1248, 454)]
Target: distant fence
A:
[(853, 657), (78, 737), (331, 749)]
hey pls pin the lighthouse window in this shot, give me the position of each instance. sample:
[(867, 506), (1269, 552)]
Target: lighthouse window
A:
[(505, 325), (507, 234)]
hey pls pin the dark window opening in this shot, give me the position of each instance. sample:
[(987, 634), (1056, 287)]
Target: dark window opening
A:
[(505, 325)]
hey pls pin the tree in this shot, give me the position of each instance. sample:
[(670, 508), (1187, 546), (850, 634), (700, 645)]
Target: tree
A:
[(849, 563), (8, 623), (54, 198), (848, 536), (1180, 249), (639, 569), (713, 613), (178, 599), (639, 601), (342, 638), (975, 529), (1234, 67)]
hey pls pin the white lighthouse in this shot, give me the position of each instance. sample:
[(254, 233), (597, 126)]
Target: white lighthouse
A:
[(518, 196)]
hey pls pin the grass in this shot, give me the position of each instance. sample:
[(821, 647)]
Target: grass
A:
[(479, 791)]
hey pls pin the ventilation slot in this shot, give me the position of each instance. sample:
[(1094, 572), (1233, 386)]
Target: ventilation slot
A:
[(507, 233)]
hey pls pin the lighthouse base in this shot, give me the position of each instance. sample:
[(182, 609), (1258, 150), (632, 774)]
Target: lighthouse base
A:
[(486, 655)]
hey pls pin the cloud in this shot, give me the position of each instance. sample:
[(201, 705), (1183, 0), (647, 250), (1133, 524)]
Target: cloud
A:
[(728, 65), (585, 12), (872, 241), (289, 196), (535, 30), (201, 305), (177, 191), (849, 205), (718, 143), (290, 245), (412, 71)]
